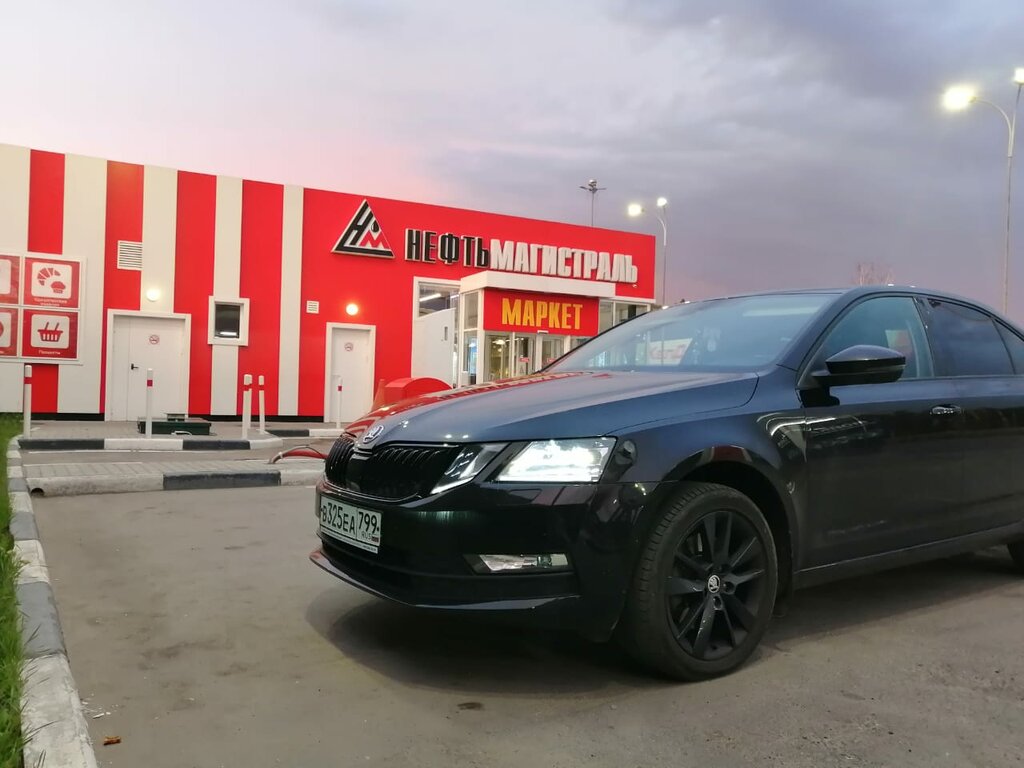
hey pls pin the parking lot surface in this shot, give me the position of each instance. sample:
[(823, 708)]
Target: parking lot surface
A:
[(195, 620)]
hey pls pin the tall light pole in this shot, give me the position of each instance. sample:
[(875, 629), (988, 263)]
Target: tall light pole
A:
[(958, 98), (661, 214), (593, 189)]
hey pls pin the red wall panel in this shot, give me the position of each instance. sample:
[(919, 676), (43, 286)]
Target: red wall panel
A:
[(121, 287), (45, 235), (193, 276), (262, 220)]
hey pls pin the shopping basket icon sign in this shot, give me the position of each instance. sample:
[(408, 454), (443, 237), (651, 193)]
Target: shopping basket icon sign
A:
[(50, 335), (50, 332)]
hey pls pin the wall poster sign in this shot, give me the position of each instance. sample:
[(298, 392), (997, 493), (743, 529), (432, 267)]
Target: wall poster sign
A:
[(40, 300)]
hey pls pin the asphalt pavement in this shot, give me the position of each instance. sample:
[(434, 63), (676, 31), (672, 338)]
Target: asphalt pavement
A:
[(195, 620)]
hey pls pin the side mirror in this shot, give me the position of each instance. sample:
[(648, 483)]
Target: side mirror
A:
[(862, 364)]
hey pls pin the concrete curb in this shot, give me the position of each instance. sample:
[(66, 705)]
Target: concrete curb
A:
[(150, 443), (170, 481), (51, 709), (325, 432)]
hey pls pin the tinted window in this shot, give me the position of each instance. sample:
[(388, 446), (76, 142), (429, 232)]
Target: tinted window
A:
[(744, 334), (970, 343), (1015, 344), (887, 321), (227, 320)]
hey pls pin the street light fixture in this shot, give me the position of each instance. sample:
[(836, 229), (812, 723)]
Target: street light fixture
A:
[(593, 189), (958, 98), (636, 209)]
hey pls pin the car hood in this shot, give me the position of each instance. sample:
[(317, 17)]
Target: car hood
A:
[(553, 405)]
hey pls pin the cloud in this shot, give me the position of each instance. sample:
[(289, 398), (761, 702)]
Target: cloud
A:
[(792, 138)]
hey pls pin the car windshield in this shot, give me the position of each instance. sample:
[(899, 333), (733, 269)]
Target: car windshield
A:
[(740, 334)]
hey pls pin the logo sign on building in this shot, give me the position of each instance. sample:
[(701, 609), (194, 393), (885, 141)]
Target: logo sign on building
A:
[(10, 268), (532, 312), (8, 332), (50, 333), (363, 236), (51, 283)]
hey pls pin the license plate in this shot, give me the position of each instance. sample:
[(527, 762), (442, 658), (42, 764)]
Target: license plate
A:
[(358, 527)]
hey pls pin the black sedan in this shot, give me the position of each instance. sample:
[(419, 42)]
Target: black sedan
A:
[(671, 481)]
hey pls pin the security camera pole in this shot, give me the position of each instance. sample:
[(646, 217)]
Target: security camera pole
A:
[(593, 189)]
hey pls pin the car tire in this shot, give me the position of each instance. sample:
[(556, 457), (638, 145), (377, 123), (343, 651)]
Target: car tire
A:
[(704, 587), (1017, 553)]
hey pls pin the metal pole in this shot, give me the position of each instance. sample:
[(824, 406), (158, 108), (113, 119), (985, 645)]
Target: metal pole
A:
[(1009, 207), (664, 255), (246, 405), (263, 406), (149, 402), (26, 403)]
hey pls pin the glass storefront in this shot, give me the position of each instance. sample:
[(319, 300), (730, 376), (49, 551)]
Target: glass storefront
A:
[(493, 355)]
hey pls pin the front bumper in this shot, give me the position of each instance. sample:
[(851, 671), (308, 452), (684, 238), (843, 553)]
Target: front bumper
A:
[(422, 557)]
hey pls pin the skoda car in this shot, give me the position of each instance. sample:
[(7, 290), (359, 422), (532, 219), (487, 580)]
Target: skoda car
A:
[(673, 480)]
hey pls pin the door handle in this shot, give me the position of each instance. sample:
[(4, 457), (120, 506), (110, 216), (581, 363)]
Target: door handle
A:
[(134, 367), (946, 410)]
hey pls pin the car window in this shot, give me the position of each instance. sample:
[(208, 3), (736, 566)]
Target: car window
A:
[(1015, 346), (886, 321), (737, 334), (968, 341)]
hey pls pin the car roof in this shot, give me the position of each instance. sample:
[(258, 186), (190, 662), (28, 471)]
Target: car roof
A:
[(867, 290)]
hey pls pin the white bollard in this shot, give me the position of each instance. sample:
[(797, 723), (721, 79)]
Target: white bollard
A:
[(26, 404), (263, 407), (246, 405), (149, 402), (337, 406)]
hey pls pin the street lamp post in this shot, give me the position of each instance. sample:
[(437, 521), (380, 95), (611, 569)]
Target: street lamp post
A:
[(593, 189), (959, 97), (661, 214)]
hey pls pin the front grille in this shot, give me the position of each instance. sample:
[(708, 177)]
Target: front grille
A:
[(391, 471)]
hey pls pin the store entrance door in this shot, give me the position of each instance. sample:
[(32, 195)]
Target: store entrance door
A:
[(508, 355)]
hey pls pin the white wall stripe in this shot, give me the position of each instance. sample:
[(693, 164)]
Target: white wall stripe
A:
[(291, 302), (159, 221), (227, 264), (14, 175), (85, 206)]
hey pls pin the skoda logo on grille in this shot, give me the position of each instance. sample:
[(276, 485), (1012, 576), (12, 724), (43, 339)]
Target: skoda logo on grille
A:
[(370, 436)]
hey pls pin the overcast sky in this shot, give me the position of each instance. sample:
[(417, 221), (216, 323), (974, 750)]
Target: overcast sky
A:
[(793, 139)]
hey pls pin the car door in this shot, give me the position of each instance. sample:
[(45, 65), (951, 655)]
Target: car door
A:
[(884, 461), (974, 350)]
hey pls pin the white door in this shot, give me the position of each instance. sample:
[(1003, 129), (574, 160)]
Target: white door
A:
[(433, 345), (351, 363), (139, 343)]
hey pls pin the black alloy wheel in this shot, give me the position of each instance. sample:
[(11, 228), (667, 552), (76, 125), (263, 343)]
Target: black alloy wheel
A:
[(715, 588), (705, 584)]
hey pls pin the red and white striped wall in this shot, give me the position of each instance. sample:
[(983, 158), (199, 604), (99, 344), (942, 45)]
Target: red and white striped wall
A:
[(196, 243), (209, 236)]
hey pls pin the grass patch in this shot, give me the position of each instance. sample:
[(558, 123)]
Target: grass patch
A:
[(10, 619)]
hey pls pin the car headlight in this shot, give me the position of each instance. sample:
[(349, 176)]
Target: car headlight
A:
[(467, 465), (559, 461)]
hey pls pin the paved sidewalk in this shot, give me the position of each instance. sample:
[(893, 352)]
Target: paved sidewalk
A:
[(124, 435), (73, 479)]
